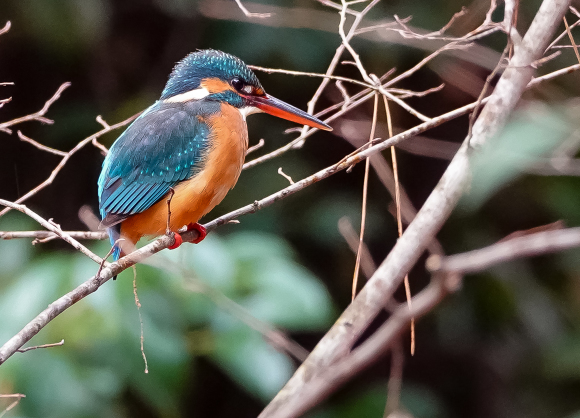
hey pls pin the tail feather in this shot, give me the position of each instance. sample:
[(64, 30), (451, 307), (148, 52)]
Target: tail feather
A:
[(114, 234)]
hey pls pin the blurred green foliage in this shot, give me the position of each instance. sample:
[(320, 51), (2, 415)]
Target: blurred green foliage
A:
[(254, 270), (507, 344)]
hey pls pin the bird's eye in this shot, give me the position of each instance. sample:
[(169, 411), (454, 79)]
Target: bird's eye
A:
[(242, 87), (238, 84)]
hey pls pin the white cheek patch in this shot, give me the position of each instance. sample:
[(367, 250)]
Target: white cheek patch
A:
[(248, 110), (196, 94)]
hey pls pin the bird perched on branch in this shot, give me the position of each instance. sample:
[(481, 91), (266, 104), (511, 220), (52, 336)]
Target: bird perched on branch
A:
[(190, 143)]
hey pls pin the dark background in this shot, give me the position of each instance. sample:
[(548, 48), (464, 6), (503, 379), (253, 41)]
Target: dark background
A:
[(507, 344)]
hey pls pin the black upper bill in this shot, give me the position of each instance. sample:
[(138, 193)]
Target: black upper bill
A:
[(283, 110)]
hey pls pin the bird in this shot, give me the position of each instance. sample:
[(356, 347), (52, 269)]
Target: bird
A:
[(189, 146)]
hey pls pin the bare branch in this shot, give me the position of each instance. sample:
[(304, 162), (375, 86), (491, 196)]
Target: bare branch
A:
[(323, 367), (307, 74), (347, 231), (51, 226), (286, 176), (566, 31), (544, 242), (248, 14), (49, 234), (38, 116), (58, 344), (571, 39), (39, 145), (256, 147)]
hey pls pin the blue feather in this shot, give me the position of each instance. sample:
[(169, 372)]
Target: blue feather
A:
[(167, 144)]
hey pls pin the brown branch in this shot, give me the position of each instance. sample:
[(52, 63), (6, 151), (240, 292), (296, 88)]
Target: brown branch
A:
[(37, 116), (276, 338), (347, 231), (307, 74), (51, 235), (321, 385), (58, 344), (566, 31), (325, 368), (544, 242), (138, 304), (248, 14), (572, 39), (51, 226), (395, 379), (38, 145)]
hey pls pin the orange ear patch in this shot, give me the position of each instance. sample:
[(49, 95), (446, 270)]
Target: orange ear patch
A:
[(215, 85)]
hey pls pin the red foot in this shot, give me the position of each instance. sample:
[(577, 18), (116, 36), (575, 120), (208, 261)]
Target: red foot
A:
[(177, 241), (200, 230)]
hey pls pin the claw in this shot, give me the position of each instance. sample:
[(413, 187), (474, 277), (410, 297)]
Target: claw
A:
[(177, 241), (200, 230)]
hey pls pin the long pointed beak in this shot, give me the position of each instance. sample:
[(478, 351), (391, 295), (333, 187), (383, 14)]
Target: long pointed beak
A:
[(283, 110)]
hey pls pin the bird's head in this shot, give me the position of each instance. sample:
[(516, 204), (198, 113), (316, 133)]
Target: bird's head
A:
[(215, 75)]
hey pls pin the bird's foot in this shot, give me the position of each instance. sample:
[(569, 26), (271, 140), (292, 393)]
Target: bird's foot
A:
[(200, 230), (178, 240)]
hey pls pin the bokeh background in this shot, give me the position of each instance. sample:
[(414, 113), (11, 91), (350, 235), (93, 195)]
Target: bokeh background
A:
[(506, 345)]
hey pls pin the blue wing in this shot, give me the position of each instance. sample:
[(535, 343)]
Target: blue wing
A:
[(164, 146)]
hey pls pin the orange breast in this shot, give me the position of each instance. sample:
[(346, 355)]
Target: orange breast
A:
[(195, 197)]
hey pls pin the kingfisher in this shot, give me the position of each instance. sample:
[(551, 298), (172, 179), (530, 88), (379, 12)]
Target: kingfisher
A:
[(189, 146)]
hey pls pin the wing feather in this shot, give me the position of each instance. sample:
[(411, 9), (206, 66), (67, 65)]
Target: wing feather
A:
[(164, 146)]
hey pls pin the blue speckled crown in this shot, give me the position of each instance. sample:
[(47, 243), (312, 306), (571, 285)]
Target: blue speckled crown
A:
[(208, 63)]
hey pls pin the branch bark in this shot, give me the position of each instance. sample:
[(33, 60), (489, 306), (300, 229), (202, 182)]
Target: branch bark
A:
[(375, 295)]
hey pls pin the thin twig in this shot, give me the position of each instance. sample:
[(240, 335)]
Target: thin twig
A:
[(399, 217), (256, 147), (38, 116), (39, 145), (249, 14), (169, 198), (572, 26), (273, 336), (364, 202), (138, 304), (41, 235), (24, 350), (395, 379), (571, 39), (51, 226), (347, 231), (286, 176), (544, 242), (329, 364), (308, 74)]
